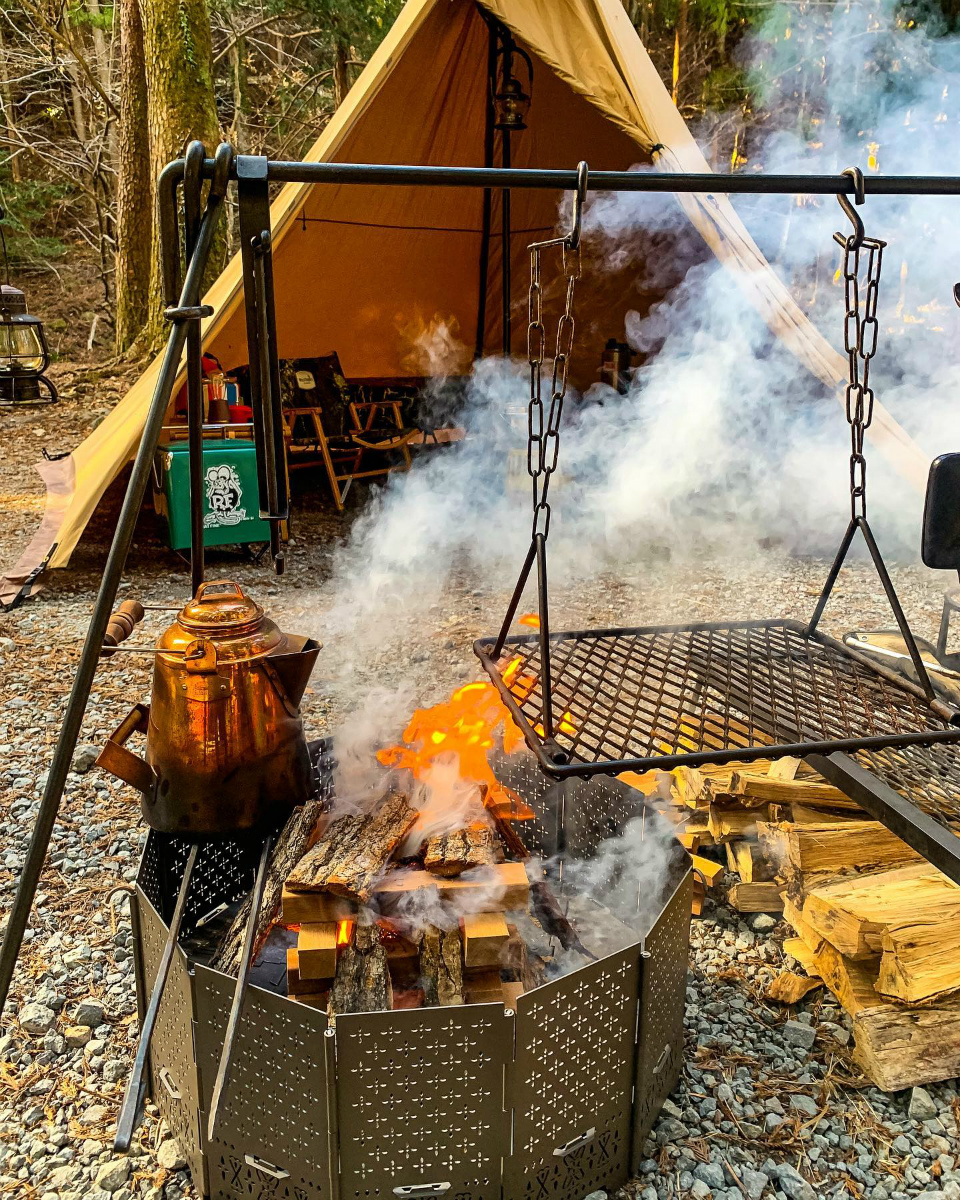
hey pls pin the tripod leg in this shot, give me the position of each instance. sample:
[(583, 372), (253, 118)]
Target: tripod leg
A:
[(131, 1111), (239, 992)]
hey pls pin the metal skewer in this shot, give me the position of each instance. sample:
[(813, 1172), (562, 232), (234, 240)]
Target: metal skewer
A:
[(239, 992)]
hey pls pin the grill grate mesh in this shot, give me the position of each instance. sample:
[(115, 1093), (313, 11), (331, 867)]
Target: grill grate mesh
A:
[(659, 697)]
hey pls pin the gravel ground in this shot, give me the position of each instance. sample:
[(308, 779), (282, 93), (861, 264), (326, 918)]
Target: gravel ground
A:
[(769, 1104)]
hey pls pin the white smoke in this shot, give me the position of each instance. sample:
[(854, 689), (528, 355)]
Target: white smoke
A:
[(724, 438)]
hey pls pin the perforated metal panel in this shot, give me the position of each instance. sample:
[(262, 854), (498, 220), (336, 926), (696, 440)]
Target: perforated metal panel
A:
[(466, 1097), (572, 1080), (272, 1134), (662, 991), (420, 1101), (587, 810), (173, 1074)]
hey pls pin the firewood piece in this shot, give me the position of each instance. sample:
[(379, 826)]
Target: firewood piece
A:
[(838, 847), (314, 999), (732, 824), (311, 908), (485, 936), (797, 948), (296, 984), (921, 959), (354, 850), (362, 982), (441, 967), (707, 869), (755, 897), (290, 847), (745, 858), (317, 950), (483, 987), (551, 917), (897, 1046), (752, 790), (505, 885), (853, 912), (788, 988), (451, 854)]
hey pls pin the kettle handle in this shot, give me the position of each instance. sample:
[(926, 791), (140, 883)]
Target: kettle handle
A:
[(217, 583), (123, 763)]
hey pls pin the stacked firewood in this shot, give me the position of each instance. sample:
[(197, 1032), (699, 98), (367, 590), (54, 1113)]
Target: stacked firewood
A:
[(386, 919), (873, 921)]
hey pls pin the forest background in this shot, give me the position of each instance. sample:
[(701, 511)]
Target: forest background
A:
[(85, 85)]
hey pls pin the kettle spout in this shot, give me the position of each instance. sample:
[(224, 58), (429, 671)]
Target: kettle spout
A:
[(293, 667)]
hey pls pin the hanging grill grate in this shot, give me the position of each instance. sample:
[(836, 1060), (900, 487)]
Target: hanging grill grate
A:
[(637, 699), (612, 700)]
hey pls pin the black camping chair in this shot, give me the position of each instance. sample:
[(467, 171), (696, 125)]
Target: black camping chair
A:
[(327, 421)]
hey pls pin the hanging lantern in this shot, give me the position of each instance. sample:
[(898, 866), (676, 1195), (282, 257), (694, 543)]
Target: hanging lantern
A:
[(510, 102), (23, 348), (23, 352)]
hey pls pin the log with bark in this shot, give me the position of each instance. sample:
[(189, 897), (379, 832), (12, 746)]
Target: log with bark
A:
[(453, 853), (354, 850), (362, 982), (441, 967), (290, 847)]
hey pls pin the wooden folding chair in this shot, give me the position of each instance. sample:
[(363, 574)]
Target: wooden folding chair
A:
[(325, 422)]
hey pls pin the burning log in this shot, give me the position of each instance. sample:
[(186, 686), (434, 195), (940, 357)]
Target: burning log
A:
[(451, 854), (441, 967), (290, 847), (362, 982), (351, 855)]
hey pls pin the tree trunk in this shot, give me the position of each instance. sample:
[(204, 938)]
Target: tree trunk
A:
[(134, 193), (104, 68), (178, 60), (341, 73), (7, 114)]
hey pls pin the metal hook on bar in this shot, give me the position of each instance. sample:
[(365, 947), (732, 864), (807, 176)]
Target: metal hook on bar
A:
[(853, 240), (572, 241)]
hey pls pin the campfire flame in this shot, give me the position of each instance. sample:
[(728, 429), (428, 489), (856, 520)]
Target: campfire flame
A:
[(463, 726), (344, 932)]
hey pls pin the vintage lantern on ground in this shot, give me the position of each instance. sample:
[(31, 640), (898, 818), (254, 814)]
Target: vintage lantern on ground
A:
[(511, 103), (23, 347)]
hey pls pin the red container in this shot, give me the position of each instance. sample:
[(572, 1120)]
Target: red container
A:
[(241, 414)]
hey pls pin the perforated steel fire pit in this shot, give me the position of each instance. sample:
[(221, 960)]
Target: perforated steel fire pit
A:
[(478, 1102)]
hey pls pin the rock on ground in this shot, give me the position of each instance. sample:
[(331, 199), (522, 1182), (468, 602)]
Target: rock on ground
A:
[(739, 1057)]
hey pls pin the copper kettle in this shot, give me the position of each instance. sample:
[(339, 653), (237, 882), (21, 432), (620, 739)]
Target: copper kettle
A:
[(225, 749)]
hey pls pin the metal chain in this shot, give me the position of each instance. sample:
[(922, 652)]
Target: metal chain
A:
[(543, 440), (860, 330)]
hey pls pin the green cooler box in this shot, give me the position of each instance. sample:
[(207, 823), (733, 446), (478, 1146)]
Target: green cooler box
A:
[(231, 499)]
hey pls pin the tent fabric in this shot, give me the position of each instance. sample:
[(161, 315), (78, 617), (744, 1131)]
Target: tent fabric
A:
[(372, 272)]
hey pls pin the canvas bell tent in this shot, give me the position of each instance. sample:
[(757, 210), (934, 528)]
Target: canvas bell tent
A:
[(361, 269)]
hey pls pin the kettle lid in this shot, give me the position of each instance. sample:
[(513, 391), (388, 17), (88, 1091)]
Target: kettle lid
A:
[(220, 611)]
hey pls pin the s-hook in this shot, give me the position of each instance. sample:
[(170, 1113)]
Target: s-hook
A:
[(853, 241)]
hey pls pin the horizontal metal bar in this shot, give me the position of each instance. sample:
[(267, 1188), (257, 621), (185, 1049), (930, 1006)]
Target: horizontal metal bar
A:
[(600, 181), (937, 843)]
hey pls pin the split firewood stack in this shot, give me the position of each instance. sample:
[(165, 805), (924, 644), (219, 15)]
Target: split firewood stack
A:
[(387, 919), (874, 922)]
